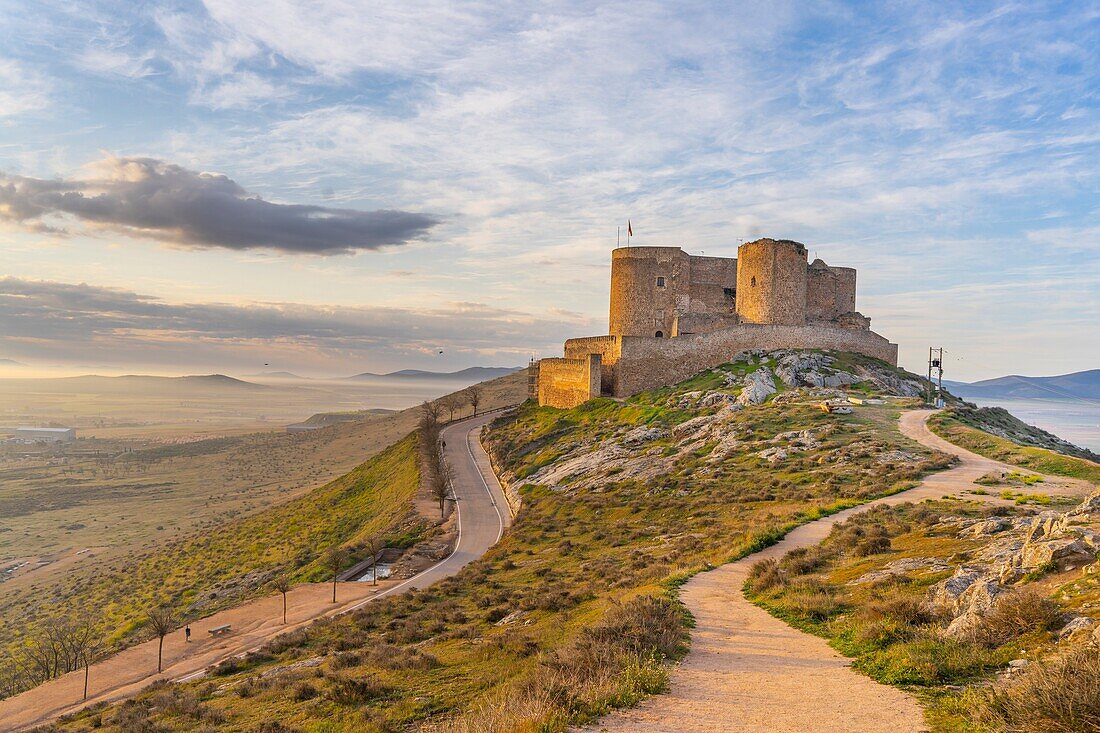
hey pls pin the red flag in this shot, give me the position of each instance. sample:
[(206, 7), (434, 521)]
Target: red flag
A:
[(629, 231)]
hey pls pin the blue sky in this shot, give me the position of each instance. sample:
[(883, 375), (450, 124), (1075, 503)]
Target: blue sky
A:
[(949, 153)]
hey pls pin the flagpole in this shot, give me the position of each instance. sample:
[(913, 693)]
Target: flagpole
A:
[(617, 235)]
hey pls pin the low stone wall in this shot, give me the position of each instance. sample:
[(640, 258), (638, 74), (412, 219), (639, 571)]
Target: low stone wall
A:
[(645, 363), (608, 347), (567, 383)]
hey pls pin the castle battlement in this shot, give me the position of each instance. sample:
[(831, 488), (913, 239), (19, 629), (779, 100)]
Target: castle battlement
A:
[(674, 314)]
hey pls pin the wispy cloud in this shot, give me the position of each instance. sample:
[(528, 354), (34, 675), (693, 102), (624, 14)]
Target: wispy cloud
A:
[(22, 89)]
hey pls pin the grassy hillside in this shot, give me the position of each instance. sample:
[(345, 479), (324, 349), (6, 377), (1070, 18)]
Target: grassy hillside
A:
[(574, 612), (212, 570), (875, 588), (967, 428)]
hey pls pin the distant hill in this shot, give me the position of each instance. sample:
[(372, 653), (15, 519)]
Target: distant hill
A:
[(470, 375), (276, 375), (1079, 385), (133, 383)]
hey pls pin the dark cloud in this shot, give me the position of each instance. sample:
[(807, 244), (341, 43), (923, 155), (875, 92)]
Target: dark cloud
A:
[(148, 197), (43, 320)]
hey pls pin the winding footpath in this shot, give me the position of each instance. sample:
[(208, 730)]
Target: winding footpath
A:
[(482, 517), (749, 671)]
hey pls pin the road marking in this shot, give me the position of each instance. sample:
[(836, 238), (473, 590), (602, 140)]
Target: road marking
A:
[(477, 468)]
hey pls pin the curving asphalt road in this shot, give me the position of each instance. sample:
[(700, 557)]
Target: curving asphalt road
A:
[(482, 518), (481, 506)]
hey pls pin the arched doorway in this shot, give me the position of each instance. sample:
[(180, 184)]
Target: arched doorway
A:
[(659, 334)]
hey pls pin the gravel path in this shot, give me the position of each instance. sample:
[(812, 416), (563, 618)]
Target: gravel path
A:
[(749, 671)]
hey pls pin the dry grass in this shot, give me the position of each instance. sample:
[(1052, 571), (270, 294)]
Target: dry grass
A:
[(1015, 614), (1061, 695)]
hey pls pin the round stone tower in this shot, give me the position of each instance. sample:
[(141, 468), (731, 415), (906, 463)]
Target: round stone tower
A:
[(645, 283), (771, 282)]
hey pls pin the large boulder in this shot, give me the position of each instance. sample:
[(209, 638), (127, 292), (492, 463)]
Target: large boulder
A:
[(758, 386), (967, 596)]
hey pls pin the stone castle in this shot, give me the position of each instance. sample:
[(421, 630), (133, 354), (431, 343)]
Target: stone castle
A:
[(674, 314)]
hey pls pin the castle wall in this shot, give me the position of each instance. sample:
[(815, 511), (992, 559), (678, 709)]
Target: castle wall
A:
[(830, 291), (771, 282), (639, 307), (608, 348), (567, 383), (712, 285), (646, 363), (690, 323)]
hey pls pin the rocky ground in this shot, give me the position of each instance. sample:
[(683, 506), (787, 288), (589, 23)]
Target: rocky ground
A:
[(1018, 552), (645, 452)]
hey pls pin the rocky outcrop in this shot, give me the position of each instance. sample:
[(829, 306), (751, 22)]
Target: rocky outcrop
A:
[(966, 596), (758, 386), (1018, 548)]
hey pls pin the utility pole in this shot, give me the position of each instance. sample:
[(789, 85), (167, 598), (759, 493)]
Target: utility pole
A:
[(935, 361)]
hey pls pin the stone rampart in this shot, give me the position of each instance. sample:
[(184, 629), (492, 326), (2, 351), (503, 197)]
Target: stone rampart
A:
[(608, 347), (567, 383), (646, 363)]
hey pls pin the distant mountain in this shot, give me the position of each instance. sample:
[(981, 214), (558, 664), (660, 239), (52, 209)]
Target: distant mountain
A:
[(277, 375), (471, 375), (1079, 385), (132, 383)]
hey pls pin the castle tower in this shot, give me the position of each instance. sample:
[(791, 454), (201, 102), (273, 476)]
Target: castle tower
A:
[(648, 285), (771, 282)]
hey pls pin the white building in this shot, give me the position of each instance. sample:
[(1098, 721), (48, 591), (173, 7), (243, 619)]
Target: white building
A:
[(45, 435)]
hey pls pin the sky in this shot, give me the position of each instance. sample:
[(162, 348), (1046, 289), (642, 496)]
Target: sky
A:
[(329, 187)]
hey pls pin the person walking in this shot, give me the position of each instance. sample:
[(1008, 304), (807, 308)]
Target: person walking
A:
[(187, 633)]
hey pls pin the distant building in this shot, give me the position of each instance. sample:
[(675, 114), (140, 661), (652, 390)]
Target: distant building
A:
[(45, 435)]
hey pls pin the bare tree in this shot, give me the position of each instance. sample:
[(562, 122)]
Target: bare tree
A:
[(282, 585), (451, 404), (441, 482), (336, 558), (10, 678), (374, 547), (54, 649), (473, 396), (89, 654), (162, 622), (430, 411)]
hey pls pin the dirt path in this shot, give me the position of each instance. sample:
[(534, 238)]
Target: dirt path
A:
[(749, 671), (482, 517)]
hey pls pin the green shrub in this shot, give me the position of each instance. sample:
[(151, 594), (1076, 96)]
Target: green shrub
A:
[(927, 660), (765, 575), (811, 599)]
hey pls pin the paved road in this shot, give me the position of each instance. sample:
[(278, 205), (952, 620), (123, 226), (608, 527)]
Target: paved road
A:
[(482, 508), (482, 518), (749, 672)]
